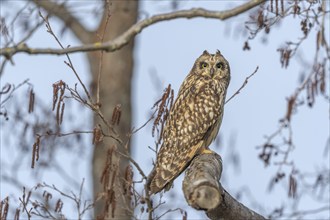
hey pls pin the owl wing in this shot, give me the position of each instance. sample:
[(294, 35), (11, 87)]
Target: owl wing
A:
[(190, 121)]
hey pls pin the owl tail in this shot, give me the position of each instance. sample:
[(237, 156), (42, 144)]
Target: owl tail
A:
[(156, 183)]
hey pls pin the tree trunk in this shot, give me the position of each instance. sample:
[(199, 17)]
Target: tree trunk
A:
[(115, 89)]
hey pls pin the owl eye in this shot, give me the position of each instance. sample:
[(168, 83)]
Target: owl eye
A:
[(220, 65), (203, 64)]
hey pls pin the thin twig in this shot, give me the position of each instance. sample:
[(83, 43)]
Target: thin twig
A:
[(244, 84), (102, 52), (307, 212), (70, 64), (67, 16), (142, 126), (169, 211), (137, 166), (2, 102)]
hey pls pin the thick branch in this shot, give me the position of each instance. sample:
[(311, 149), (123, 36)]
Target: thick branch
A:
[(203, 191), (123, 39), (62, 13)]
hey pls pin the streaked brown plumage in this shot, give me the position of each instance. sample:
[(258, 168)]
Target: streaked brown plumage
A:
[(194, 119)]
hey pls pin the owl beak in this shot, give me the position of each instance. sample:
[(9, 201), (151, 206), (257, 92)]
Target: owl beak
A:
[(212, 72)]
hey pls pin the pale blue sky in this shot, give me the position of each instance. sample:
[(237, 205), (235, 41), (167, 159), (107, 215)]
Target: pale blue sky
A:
[(169, 50)]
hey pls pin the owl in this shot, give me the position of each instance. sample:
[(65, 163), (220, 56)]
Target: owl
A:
[(194, 119)]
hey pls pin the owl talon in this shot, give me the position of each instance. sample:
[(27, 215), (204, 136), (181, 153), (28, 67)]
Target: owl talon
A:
[(207, 151)]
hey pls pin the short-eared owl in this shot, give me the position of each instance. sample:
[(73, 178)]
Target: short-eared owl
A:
[(194, 119)]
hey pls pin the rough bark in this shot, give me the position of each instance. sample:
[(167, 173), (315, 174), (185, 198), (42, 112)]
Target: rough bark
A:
[(203, 191)]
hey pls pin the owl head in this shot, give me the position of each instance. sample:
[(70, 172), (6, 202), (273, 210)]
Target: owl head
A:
[(212, 66)]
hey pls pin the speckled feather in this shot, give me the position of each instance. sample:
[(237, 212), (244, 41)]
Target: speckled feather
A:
[(194, 119)]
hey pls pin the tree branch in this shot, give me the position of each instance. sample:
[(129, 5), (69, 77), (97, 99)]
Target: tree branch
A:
[(128, 35), (203, 191), (61, 12)]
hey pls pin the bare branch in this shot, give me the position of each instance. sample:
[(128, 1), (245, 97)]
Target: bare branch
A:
[(125, 38), (203, 191)]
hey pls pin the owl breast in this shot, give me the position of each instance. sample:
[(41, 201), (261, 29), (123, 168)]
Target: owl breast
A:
[(196, 111)]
